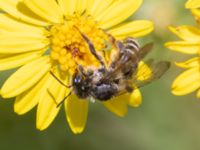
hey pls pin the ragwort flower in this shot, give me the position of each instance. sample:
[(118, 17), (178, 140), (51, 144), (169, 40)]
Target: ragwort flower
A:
[(189, 80), (39, 36)]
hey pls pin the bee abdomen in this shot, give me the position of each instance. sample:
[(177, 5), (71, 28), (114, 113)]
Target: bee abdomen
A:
[(131, 43)]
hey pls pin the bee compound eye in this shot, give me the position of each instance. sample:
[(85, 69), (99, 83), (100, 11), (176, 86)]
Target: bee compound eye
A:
[(77, 80)]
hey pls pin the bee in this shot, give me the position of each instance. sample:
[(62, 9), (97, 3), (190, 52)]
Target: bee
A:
[(119, 77)]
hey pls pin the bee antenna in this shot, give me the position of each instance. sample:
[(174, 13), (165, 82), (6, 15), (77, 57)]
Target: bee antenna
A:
[(62, 101), (67, 86)]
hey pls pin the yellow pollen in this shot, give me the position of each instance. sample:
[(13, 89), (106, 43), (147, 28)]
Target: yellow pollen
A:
[(68, 48), (63, 51)]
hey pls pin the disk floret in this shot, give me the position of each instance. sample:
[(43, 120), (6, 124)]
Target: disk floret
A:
[(68, 47)]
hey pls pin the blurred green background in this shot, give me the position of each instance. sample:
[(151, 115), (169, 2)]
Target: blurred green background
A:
[(163, 122)]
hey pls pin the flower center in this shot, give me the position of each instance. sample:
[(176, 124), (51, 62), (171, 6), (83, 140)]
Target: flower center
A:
[(68, 48)]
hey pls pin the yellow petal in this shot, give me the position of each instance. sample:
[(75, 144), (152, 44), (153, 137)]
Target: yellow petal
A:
[(134, 29), (7, 23), (76, 113), (118, 105), (99, 6), (13, 61), (198, 94), (39, 36), (192, 4), (144, 72), (25, 77), (187, 33), (47, 9), (196, 13), (90, 5), (69, 6), (10, 6), (135, 98), (48, 108), (29, 99), (186, 82), (17, 42), (118, 12), (81, 5), (184, 47), (194, 62)]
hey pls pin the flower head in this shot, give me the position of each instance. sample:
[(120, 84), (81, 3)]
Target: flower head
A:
[(189, 80), (40, 36)]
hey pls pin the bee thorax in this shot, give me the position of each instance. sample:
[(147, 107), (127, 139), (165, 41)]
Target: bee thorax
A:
[(104, 92)]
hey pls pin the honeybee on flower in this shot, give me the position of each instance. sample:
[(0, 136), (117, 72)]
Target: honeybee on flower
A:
[(41, 40)]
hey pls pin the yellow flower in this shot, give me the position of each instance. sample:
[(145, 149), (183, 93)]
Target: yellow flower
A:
[(189, 80), (39, 36), (194, 6)]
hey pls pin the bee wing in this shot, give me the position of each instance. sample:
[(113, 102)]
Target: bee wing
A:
[(154, 72), (117, 72), (145, 50)]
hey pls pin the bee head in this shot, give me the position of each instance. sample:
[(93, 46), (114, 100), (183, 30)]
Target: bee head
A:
[(81, 85)]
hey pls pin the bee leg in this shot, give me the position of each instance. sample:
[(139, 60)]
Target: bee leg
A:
[(112, 40), (91, 48), (52, 96), (118, 45), (115, 43), (67, 86), (128, 86), (62, 101), (129, 89)]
